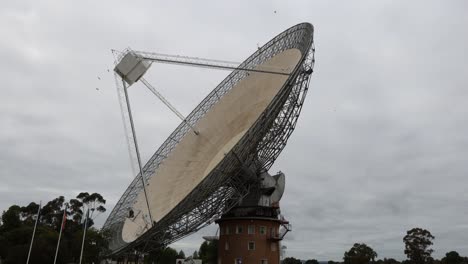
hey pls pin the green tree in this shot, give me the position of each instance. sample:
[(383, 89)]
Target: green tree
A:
[(359, 254), (181, 255), (51, 213), (11, 218), (84, 201), (96, 245), (417, 245), (17, 245), (291, 260), (312, 261), (76, 210), (208, 252), (29, 213), (167, 256), (44, 245), (390, 261), (3, 246), (452, 257), (17, 227)]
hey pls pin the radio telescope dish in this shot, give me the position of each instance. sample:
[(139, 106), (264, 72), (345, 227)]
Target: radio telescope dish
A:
[(241, 127)]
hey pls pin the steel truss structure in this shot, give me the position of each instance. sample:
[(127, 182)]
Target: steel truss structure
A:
[(235, 175)]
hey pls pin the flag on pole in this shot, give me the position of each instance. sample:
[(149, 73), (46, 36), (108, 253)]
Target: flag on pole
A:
[(39, 211), (64, 220), (87, 216), (84, 235), (34, 231)]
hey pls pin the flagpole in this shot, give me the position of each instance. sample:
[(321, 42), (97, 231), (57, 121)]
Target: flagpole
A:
[(60, 234), (84, 235), (34, 232)]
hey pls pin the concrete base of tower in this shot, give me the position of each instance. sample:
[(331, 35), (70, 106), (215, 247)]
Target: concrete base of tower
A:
[(250, 235)]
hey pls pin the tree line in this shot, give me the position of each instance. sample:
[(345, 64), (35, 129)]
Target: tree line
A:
[(17, 224), (418, 250)]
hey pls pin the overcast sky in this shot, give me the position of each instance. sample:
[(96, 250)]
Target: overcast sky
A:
[(381, 145)]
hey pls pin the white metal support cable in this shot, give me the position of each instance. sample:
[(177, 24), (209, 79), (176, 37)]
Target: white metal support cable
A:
[(125, 122), (143, 181), (167, 103), (207, 63)]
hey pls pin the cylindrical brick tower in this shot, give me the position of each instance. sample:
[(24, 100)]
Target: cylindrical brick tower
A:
[(250, 235)]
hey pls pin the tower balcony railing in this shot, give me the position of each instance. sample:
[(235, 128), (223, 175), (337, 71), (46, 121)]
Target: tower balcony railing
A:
[(285, 228)]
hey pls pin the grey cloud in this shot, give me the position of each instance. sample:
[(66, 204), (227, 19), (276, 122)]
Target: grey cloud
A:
[(380, 146)]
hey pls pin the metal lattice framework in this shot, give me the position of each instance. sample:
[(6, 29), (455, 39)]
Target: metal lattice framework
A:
[(229, 182)]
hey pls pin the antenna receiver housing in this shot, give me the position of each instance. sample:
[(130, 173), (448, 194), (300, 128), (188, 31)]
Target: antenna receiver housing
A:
[(131, 67)]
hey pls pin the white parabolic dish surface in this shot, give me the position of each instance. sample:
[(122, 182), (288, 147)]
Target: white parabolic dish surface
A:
[(195, 156)]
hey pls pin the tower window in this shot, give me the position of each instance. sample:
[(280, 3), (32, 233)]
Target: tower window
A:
[(272, 232), (251, 245), (273, 246), (264, 261), (226, 246), (239, 229), (263, 230), (228, 230), (251, 230)]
